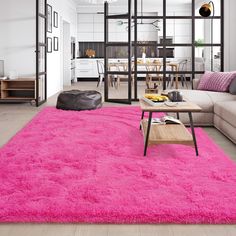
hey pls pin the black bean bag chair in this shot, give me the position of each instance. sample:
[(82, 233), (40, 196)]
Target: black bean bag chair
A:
[(79, 100)]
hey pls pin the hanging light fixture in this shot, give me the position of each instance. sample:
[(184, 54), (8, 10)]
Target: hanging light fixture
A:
[(100, 1), (206, 10), (154, 23)]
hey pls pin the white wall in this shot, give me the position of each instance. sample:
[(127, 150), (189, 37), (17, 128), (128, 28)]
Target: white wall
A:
[(230, 35), (66, 12), (17, 40)]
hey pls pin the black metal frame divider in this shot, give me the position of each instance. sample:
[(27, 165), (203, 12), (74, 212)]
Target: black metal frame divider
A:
[(39, 45), (193, 40), (134, 19), (108, 44)]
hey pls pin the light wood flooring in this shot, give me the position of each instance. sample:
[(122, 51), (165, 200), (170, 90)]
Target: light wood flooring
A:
[(14, 116)]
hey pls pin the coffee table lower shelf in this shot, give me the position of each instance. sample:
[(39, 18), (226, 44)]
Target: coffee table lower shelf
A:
[(167, 134)]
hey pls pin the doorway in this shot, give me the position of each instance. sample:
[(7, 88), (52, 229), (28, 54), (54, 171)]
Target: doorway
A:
[(41, 52), (66, 54), (123, 70)]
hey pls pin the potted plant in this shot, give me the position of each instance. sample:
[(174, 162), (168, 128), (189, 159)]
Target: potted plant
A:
[(199, 44)]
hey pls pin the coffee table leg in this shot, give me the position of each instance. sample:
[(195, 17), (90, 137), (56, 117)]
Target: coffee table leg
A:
[(141, 120), (148, 131), (193, 132), (177, 114)]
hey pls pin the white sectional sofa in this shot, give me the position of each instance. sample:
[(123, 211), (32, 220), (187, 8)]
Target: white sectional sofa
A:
[(218, 110), (225, 118)]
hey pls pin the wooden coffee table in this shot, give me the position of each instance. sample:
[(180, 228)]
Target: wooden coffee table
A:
[(170, 133)]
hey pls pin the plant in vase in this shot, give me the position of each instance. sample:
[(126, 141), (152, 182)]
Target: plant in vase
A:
[(144, 54), (199, 46)]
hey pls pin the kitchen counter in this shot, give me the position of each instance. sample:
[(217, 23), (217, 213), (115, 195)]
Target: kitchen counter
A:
[(89, 58)]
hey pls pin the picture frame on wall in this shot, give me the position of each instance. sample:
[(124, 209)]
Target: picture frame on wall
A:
[(49, 18), (55, 44), (55, 19), (49, 45)]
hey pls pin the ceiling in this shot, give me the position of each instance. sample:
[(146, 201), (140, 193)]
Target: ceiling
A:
[(122, 2)]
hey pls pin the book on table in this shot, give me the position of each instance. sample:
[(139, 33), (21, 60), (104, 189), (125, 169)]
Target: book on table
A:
[(166, 120)]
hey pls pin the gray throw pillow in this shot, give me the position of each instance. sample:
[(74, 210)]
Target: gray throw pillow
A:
[(232, 87)]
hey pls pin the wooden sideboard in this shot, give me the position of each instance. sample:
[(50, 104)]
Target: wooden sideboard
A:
[(18, 90)]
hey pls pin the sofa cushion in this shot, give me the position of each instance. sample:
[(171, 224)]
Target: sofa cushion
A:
[(227, 129), (216, 81), (196, 83), (199, 97), (204, 80), (199, 118), (232, 87), (219, 96), (207, 99), (227, 111)]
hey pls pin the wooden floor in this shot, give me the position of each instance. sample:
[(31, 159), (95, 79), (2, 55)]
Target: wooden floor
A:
[(14, 116), (115, 230)]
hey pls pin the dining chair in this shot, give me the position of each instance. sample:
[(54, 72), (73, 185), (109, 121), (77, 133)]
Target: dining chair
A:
[(100, 68), (112, 79), (183, 67), (155, 76), (122, 67)]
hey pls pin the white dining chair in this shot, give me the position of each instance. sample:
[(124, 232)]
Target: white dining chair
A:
[(100, 68)]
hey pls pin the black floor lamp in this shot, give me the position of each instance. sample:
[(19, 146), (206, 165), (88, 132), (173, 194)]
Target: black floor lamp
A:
[(205, 11)]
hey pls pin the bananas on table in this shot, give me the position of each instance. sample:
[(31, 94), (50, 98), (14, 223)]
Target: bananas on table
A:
[(156, 97)]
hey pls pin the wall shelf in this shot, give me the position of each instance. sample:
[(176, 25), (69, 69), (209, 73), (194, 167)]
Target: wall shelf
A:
[(18, 98), (18, 90)]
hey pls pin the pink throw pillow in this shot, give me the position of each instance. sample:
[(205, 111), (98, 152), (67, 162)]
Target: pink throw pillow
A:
[(216, 81), (204, 79)]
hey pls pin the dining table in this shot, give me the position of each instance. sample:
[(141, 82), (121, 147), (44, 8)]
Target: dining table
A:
[(174, 65)]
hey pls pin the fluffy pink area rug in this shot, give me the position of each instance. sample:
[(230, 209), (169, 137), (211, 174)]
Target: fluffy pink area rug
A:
[(68, 166)]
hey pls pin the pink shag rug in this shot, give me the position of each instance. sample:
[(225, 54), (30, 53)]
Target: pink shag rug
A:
[(68, 166)]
